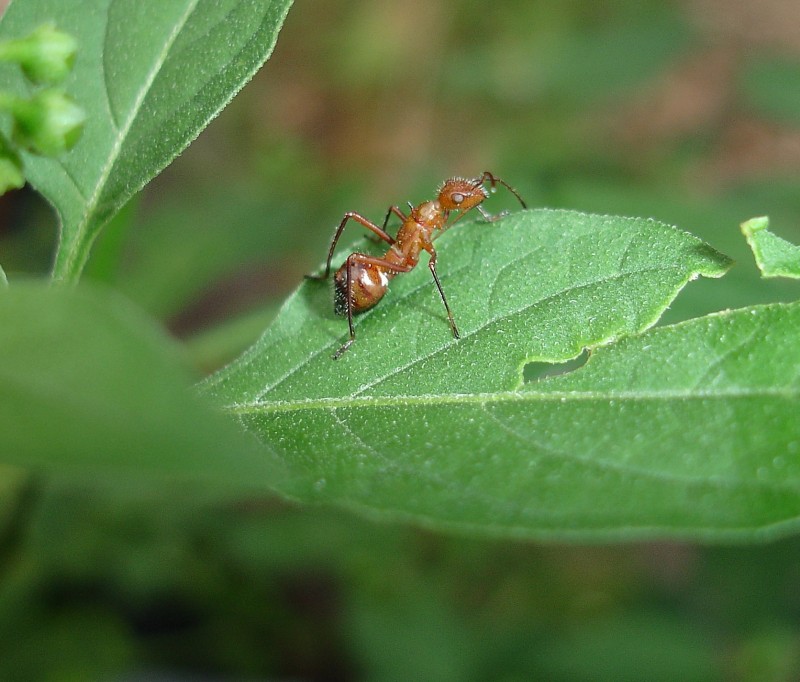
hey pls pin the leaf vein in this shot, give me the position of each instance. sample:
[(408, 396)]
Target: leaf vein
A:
[(112, 113), (71, 178), (78, 237), (703, 378)]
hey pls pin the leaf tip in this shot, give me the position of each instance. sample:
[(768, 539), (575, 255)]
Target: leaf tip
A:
[(750, 227), (774, 256), (716, 264)]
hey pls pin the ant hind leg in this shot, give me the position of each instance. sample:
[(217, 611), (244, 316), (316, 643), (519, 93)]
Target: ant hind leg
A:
[(361, 220), (450, 318)]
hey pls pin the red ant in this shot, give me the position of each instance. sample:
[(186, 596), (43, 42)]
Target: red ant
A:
[(363, 280)]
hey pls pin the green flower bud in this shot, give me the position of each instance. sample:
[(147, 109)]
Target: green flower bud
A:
[(49, 123), (46, 56), (11, 176)]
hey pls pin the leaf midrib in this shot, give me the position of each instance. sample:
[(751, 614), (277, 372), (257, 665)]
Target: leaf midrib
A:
[(78, 238), (603, 464), (266, 407)]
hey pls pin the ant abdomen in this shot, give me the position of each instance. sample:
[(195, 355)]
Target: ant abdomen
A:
[(368, 286)]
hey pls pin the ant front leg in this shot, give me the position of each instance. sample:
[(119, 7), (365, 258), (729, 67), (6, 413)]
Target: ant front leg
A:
[(491, 217), (361, 220), (450, 318)]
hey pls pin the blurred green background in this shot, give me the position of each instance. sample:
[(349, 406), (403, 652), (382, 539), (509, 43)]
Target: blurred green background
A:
[(688, 112)]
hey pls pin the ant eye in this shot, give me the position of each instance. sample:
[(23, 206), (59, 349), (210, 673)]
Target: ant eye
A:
[(457, 197)]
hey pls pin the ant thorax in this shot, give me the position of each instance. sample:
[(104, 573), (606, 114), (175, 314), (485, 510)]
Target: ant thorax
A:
[(429, 214)]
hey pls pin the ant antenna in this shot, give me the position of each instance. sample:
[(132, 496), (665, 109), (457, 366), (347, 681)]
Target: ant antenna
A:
[(493, 180)]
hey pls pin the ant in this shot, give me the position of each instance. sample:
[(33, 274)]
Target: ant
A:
[(363, 280)]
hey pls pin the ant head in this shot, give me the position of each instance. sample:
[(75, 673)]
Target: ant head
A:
[(461, 194)]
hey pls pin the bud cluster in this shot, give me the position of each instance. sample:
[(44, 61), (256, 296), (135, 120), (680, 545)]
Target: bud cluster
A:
[(48, 122)]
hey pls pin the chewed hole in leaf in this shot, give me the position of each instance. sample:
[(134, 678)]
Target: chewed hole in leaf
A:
[(534, 371)]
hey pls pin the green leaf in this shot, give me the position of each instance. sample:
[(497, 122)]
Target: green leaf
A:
[(92, 387), (3, 279), (697, 433), (774, 256), (411, 423), (150, 76)]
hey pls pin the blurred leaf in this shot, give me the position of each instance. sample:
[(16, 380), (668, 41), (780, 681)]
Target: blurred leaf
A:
[(50, 649), (187, 242), (774, 256), (772, 86), (768, 654), (104, 264), (554, 54), (628, 649), (602, 59), (91, 387), (150, 75), (413, 633), (211, 349), (412, 423), (3, 278)]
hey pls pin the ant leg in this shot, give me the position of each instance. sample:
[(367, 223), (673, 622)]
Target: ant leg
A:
[(397, 212), (489, 217), (348, 287), (451, 319), (361, 220), (394, 268)]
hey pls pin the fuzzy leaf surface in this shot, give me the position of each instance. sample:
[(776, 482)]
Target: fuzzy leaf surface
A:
[(150, 76), (412, 424)]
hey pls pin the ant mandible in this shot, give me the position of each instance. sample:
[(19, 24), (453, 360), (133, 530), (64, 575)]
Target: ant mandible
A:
[(363, 280)]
